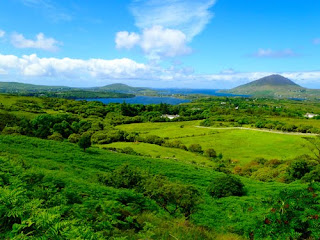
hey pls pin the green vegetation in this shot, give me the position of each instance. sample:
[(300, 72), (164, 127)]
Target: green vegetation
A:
[(223, 169)]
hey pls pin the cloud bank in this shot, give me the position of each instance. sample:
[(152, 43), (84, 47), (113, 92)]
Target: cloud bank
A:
[(93, 72)]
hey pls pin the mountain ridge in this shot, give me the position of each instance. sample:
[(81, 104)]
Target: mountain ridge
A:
[(272, 80), (274, 86)]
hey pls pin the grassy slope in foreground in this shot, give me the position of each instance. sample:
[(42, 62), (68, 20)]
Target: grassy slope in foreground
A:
[(79, 169), (243, 145)]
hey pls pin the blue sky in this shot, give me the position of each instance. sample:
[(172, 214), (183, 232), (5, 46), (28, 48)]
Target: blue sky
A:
[(159, 43)]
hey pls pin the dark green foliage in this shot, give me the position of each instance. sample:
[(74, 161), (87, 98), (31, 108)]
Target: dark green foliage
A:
[(195, 148), (312, 176), (74, 138), (172, 197), (226, 186), (7, 119), (210, 152), (294, 214), (85, 141), (56, 136), (153, 139), (297, 170), (175, 144)]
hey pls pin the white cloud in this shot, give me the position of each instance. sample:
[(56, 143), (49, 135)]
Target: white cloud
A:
[(316, 41), (269, 53), (188, 16), (33, 66), (166, 26), (41, 42), (2, 33), (155, 42), (127, 40)]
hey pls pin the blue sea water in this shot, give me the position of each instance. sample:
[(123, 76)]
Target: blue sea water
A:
[(142, 100), (169, 100), (212, 92)]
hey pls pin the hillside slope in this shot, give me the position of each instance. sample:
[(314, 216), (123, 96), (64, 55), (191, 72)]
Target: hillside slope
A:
[(275, 86)]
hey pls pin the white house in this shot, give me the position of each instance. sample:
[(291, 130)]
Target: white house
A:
[(310, 115), (170, 116)]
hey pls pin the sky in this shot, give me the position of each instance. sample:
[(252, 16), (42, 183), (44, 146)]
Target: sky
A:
[(212, 44)]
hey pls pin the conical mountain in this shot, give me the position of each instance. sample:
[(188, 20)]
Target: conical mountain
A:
[(270, 86), (272, 80)]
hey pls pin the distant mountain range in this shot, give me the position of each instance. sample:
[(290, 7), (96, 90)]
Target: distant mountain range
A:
[(274, 86), (113, 90)]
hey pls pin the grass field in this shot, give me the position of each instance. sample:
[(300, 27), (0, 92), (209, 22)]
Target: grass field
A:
[(297, 122), (156, 151), (242, 145)]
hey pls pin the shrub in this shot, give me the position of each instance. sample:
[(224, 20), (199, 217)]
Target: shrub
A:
[(226, 186), (313, 176), (210, 152), (74, 138), (195, 148), (297, 170), (56, 137)]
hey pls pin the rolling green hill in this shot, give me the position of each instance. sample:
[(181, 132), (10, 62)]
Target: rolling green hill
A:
[(16, 87), (116, 90), (275, 86), (123, 88)]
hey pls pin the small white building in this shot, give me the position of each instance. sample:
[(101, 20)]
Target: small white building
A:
[(170, 116), (310, 115)]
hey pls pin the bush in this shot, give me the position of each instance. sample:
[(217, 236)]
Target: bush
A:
[(195, 148), (210, 152), (226, 186), (297, 170), (56, 137), (313, 176), (74, 138)]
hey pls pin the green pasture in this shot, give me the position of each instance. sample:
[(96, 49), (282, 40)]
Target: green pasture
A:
[(8, 100), (296, 121), (156, 151), (236, 144)]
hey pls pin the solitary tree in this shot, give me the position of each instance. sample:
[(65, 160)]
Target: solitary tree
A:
[(85, 141)]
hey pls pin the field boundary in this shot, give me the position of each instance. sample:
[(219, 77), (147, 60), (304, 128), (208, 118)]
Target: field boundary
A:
[(260, 130)]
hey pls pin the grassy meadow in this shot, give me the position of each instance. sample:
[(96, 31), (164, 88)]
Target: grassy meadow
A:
[(236, 144)]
